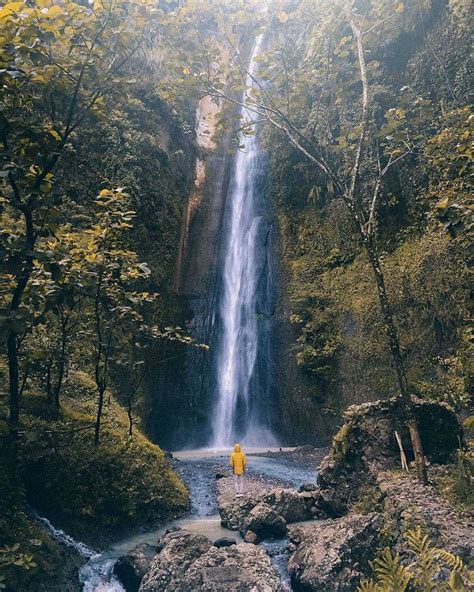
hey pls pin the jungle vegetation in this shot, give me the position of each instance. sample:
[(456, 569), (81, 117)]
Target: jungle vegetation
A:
[(364, 109)]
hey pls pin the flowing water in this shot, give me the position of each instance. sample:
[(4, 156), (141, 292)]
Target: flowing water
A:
[(244, 362)]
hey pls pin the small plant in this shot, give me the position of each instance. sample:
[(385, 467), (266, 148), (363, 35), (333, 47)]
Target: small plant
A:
[(339, 443), (424, 568), (369, 499), (11, 556)]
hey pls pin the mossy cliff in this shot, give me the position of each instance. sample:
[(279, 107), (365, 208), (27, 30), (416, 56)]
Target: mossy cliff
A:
[(333, 350)]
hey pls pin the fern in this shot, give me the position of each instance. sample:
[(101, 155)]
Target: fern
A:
[(425, 568), (391, 574), (418, 543), (369, 586), (451, 560)]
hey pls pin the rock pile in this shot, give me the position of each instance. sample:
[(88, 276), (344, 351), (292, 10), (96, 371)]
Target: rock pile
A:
[(190, 562), (267, 515), (333, 551), (408, 504)]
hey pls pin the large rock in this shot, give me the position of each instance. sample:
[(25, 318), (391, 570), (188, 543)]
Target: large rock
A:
[(259, 514), (265, 522), (241, 568), (366, 444), (288, 503), (131, 568), (189, 562), (233, 510), (177, 551), (333, 555)]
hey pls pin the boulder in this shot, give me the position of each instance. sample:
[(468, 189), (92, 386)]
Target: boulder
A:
[(177, 551), (288, 503), (307, 487), (189, 562), (224, 542), (131, 568), (366, 444), (333, 554), (233, 510), (240, 568), (265, 522)]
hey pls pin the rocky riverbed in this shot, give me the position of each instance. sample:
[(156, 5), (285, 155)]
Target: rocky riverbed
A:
[(288, 532), (206, 473)]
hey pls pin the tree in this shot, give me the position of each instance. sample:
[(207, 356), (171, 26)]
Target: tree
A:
[(59, 63), (109, 274)]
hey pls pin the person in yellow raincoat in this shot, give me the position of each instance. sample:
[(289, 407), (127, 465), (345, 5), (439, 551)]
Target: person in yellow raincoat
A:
[(238, 462)]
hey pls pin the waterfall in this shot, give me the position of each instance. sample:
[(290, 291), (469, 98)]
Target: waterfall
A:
[(243, 375)]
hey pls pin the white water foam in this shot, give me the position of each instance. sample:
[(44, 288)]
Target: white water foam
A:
[(96, 575), (65, 539)]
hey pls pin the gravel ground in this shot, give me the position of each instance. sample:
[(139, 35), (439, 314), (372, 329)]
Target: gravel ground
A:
[(254, 485), (302, 456), (266, 470)]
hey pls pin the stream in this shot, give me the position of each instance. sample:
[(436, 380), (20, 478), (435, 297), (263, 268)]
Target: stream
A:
[(198, 470)]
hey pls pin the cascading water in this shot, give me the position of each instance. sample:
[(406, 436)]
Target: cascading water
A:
[(243, 365)]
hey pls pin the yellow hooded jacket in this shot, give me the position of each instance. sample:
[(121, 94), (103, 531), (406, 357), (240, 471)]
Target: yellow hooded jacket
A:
[(237, 461)]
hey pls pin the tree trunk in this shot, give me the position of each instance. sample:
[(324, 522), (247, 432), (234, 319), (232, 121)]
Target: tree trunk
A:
[(14, 386), (12, 340), (61, 366), (49, 388), (394, 344), (100, 406), (130, 417)]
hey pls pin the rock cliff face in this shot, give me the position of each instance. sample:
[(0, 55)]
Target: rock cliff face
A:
[(182, 411), (197, 284), (178, 391), (328, 313)]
